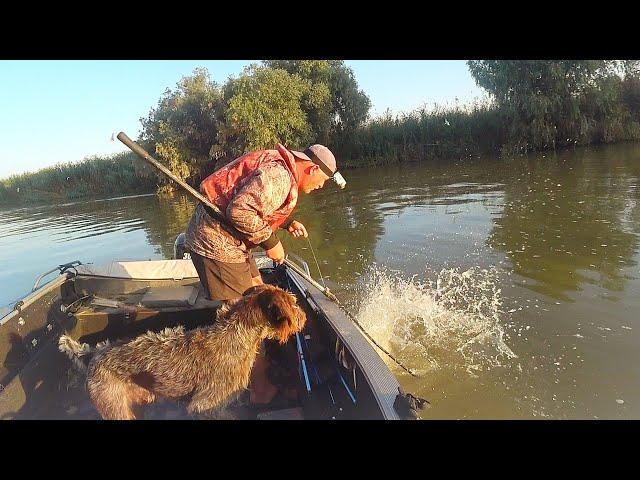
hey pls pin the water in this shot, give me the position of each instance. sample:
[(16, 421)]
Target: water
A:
[(512, 287)]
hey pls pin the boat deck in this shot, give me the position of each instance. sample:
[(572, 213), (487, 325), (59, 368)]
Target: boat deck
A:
[(71, 402)]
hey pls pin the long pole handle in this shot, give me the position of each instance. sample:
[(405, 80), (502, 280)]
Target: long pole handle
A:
[(142, 153), (212, 209)]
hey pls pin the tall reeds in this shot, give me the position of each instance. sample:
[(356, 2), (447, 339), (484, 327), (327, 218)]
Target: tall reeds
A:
[(96, 177), (438, 133)]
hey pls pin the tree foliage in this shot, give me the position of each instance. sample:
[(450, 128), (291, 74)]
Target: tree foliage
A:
[(201, 125), (264, 106), (549, 103), (183, 129), (349, 106)]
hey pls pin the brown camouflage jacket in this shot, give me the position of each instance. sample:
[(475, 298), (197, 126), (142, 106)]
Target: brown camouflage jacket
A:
[(263, 193)]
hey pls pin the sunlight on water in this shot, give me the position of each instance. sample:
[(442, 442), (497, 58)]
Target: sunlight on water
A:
[(453, 322)]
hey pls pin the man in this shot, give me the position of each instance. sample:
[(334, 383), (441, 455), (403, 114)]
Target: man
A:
[(257, 193)]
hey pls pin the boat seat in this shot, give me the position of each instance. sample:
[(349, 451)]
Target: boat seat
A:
[(159, 297)]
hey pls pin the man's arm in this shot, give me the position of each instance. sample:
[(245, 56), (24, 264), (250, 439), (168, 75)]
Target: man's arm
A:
[(287, 223)]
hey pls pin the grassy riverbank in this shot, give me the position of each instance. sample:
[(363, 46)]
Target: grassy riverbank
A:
[(440, 135), (93, 177)]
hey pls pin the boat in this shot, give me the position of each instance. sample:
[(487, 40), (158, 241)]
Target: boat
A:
[(333, 371)]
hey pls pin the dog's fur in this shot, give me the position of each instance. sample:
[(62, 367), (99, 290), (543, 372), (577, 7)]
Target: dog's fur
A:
[(206, 365)]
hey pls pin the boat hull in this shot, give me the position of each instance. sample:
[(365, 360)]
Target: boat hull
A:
[(124, 299)]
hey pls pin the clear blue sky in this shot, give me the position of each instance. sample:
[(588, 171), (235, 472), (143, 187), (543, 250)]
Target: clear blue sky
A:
[(55, 111)]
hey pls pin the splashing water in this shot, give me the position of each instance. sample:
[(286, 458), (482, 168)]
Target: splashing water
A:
[(454, 324)]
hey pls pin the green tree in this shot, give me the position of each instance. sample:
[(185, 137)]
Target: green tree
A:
[(316, 101), (631, 87), (541, 98), (263, 106), (183, 129), (348, 108), (630, 68)]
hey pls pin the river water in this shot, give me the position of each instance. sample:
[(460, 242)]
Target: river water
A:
[(511, 286)]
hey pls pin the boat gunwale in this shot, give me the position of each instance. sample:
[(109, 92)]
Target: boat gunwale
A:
[(382, 383), (31, 297)]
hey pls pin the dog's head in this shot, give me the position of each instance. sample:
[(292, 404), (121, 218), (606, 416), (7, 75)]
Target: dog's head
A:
[(279, 310)]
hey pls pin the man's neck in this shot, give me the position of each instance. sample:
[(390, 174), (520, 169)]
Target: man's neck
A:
[(300, 167)]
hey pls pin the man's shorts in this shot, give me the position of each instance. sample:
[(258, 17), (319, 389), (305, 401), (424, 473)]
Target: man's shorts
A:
[(225, 281)]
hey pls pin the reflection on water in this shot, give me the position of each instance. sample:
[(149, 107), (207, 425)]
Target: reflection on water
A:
[(34, 240), (566, 218), (543, 326)]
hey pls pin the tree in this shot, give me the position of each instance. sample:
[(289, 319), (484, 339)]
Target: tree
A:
[(541, 98), (183, 129), (263, 106), (631, 87), (631, 68), (349, 106)]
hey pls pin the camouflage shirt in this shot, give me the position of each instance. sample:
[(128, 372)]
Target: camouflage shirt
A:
[(262, 194)]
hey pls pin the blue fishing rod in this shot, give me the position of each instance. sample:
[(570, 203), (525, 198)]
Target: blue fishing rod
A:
[(302, 362)]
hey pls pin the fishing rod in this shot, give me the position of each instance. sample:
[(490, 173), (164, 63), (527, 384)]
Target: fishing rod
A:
[(215, 212), (333, 298)]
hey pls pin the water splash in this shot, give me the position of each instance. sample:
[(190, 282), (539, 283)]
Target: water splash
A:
[(453, 323)]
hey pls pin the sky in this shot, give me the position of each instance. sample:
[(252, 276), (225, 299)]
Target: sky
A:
[(54, 111)]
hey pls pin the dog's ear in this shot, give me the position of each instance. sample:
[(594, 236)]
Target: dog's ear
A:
[(281, 311)]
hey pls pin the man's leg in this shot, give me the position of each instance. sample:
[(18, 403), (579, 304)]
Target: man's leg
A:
[(223, 281), (216, 284), (199, 263), (261, 389), (256, 278)]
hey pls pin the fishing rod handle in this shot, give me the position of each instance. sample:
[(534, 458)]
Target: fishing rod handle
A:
[(212, 209), (142, 153)]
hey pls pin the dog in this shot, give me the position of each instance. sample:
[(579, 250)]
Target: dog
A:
[(207, 366)]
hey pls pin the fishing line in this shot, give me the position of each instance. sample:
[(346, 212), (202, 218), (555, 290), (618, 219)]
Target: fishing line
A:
[(316, 260), (334, 298)]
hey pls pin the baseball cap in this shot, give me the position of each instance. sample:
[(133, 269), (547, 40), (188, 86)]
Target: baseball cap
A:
[(322, 156)]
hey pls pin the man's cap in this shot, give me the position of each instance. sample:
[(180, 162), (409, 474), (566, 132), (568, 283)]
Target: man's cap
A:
[(321, 156)]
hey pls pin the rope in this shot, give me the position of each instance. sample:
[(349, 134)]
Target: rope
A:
[(317, 265)]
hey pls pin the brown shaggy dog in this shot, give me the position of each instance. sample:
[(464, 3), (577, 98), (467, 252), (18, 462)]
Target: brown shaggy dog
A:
[(206, 365)]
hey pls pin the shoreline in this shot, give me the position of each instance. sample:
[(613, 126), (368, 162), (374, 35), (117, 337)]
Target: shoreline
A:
[(39, 202)]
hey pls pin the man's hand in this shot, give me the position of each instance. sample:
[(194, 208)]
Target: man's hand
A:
[(297, 229), (276, 253)]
